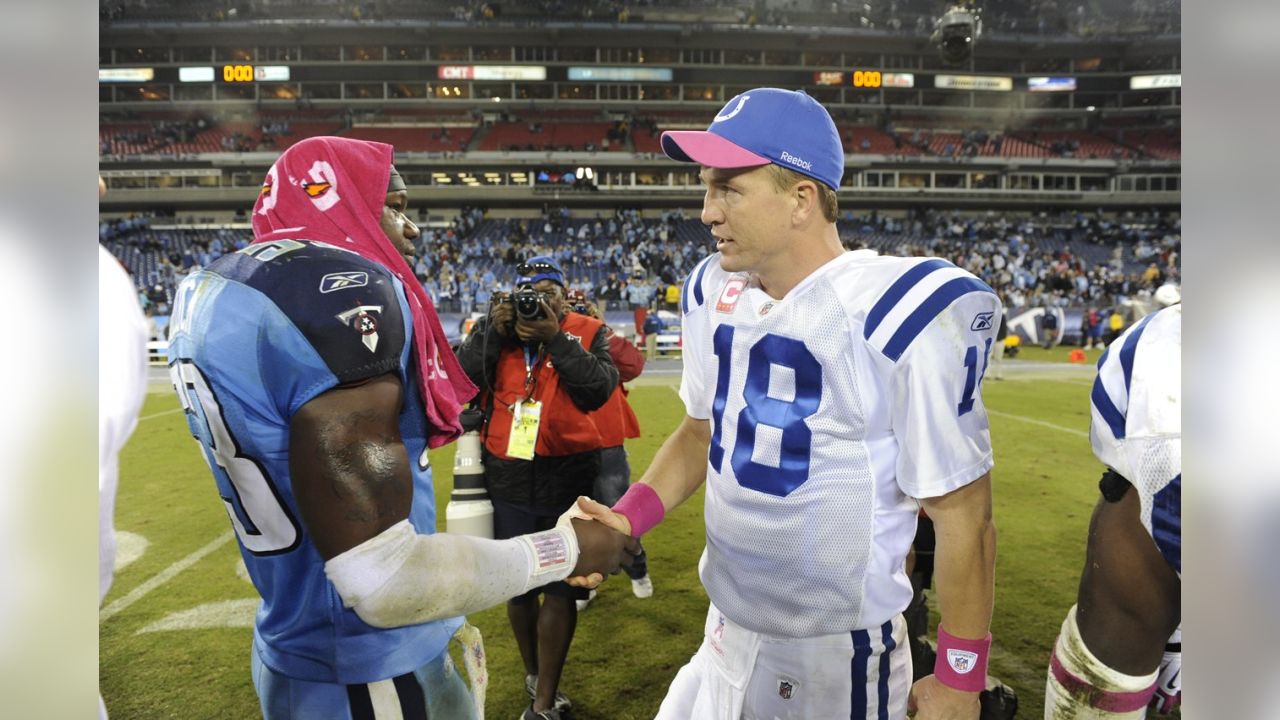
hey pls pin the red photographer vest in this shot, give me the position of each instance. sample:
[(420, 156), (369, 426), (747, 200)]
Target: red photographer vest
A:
[(616, 420), (564, 428)]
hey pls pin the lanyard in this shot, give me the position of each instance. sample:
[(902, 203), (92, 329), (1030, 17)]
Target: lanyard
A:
[(531, 363)]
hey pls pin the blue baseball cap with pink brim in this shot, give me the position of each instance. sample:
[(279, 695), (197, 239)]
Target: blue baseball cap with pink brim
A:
[(763, 126)]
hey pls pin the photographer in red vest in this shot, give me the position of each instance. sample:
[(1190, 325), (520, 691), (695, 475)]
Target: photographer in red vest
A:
[(541, 370), (616, 422)]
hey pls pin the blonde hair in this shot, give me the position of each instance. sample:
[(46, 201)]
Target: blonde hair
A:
[(784, 180)]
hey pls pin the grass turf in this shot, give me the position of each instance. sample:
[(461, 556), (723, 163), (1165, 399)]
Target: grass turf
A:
[(626, 650)]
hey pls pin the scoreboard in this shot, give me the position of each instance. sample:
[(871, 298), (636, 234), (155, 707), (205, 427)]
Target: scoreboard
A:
[(244, 73)]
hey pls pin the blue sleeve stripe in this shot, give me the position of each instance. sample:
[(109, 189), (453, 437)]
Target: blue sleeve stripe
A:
[(1130, 348), (919, 319), (1103, 359), (694, 282), (897, 290), (697, 284), (684, 295), (1102, 402), (1166, 522)]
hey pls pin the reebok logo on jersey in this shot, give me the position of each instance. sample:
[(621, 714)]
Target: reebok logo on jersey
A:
[(798, 162), (343, 280), (962, 661), (981, 321), (359, 319), (730, 294)]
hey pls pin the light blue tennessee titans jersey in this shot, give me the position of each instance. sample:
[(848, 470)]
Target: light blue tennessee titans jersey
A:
[(253, 338)]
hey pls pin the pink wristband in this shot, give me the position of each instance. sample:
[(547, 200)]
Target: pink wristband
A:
[(962, 664), (642, 507)]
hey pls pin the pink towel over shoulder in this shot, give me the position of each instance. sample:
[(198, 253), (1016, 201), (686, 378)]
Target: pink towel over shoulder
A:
[(333, 190)]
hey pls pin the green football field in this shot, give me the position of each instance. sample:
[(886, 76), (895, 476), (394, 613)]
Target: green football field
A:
[(175, 635)]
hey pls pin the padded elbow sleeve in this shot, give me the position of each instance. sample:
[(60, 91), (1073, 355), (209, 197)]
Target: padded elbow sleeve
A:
[(400, 577)]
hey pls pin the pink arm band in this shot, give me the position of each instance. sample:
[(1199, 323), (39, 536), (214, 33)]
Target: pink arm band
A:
[(1106, 700), (962, 664), (642, 507)]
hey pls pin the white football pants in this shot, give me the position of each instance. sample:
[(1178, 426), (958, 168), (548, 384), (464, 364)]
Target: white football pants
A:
[(738, 674)]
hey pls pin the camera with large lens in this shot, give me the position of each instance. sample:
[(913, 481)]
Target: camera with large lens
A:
[(577, 301), (528, 303), (955, 34)]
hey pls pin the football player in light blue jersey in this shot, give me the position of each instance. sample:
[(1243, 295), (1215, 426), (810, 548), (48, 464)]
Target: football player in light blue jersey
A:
[(829, 395), (1120, 648), (315, 376)]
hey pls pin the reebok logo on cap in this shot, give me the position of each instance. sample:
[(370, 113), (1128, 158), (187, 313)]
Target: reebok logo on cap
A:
[(763, 126), (788, 157)]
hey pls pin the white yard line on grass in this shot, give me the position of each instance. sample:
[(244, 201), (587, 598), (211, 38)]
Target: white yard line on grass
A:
[(1084, 383), (164, 576), (159, 414), (1041, 423)]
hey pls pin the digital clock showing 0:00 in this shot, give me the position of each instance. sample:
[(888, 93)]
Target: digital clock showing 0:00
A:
[(254, 73), (866, 78), (237, 73)]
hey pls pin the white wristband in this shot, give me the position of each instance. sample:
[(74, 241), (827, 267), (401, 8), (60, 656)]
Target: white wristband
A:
[(552, 555)]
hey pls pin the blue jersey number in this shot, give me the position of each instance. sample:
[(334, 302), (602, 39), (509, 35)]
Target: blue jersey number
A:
[(263, 523), (972, 376), (760, 408)]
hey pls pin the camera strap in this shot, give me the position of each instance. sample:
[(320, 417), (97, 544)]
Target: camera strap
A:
[(526, 413), (531, 363)]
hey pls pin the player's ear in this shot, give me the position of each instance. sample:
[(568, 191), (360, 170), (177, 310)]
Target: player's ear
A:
[(805, 195)]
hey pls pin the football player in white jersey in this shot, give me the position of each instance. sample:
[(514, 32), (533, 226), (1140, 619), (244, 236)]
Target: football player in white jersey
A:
[(829, 395), (122, 387), (1111, 658)]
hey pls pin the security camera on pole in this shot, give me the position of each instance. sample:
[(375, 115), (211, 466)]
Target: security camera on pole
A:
[(956, 32)]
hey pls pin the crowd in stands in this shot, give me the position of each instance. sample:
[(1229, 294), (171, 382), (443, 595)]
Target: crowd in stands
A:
[(136, 134), (157, 136), (1075, 259), (1015, 17), (1069, 259), (623, 259)]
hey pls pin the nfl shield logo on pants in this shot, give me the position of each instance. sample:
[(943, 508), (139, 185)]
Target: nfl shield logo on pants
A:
[(785, 689)]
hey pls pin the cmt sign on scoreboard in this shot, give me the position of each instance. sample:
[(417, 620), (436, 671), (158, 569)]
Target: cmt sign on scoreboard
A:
[(491, 72)]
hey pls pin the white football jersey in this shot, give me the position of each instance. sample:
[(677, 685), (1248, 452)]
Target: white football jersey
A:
[(1136, 428), (122, 386), (831, 411)]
